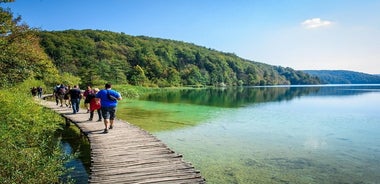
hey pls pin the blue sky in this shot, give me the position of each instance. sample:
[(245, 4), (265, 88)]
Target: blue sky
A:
[(302, 34)]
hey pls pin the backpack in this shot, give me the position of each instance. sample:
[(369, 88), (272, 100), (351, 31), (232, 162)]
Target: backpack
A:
[(62, 90)]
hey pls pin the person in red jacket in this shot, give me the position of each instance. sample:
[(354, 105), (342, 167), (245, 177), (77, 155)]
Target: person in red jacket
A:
[(94, 104)]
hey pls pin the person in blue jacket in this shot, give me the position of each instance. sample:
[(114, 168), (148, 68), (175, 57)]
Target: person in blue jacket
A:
[(108, 102)]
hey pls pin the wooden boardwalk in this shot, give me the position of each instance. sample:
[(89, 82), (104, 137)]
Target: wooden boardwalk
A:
[(128, 154)]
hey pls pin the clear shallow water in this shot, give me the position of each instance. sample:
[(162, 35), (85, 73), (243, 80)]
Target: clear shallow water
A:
[(78, 171), (269, 135), (75, 145)]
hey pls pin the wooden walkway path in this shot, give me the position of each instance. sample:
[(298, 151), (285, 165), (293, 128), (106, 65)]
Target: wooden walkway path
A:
[(128, 154)]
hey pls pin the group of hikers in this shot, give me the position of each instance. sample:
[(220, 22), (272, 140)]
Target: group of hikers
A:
[(36, 91), (103, 101)]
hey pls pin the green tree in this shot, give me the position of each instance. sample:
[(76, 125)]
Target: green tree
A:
[(21, 56), (173, 77), (138, 76)]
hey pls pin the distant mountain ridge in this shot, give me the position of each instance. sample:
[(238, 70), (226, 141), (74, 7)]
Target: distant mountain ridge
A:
[(344, 77)]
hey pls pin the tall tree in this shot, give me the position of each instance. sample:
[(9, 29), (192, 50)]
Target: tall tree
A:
[(138, 77), (21, 56)]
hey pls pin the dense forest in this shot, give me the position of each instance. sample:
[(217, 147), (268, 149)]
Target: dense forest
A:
[(344, 77), (98, 56)]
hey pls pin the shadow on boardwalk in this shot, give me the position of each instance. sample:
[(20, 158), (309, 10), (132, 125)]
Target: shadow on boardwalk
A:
[(128, 154)]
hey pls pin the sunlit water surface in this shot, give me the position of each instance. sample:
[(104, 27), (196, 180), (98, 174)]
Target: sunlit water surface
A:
[(319, 134)]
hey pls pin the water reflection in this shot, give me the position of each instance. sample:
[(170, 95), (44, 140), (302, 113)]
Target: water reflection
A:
[(174, 108), (346, 90), (242, 96), (229, 97)]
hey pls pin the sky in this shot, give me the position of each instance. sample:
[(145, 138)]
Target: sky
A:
[(301, 34)]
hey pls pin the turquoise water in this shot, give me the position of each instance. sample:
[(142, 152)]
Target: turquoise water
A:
[(319, 134)]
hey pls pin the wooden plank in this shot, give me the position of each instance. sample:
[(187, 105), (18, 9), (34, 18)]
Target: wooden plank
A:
[(128, 154)]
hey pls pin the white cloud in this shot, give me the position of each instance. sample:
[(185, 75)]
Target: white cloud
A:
[(315, 23)]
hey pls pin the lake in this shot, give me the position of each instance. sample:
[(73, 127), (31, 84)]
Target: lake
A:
[(277, 134)]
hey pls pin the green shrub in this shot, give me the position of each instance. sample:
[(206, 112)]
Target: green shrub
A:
[(29, 148)]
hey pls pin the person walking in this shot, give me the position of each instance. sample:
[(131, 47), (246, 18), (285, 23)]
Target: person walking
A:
[(61, 93), (108, 101), (87, 92), (66, 97), (55, 93), (75, 96), (34, 91), (94, 104), (39, 91)]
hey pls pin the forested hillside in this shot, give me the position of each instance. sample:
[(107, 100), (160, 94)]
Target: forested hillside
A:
[(344, 77), (99, 56)]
